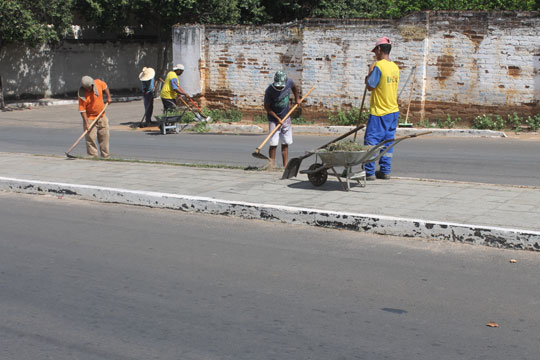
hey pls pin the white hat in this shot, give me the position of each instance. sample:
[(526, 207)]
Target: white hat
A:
[(147, 74), (178, 67), (87, 82)]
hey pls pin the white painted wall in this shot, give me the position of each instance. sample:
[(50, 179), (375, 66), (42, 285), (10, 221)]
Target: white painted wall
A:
[(47, 71), (187, 51)]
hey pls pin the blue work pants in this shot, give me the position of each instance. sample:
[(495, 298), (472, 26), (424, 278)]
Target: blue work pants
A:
[(378, 129), (148, 106)]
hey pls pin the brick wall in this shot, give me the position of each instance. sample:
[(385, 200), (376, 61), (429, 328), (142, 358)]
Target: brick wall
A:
[(466, 62)]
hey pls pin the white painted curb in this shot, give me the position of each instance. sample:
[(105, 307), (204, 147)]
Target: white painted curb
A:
[(377, 224)]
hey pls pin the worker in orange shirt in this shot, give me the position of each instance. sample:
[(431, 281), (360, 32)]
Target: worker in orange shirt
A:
[(91, 103)]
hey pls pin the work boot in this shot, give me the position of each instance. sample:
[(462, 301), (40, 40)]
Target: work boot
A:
[(370, 177), (380, 175)]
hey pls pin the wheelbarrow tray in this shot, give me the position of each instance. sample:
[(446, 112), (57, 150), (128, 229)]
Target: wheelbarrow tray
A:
[(343, 158), (317, 173)]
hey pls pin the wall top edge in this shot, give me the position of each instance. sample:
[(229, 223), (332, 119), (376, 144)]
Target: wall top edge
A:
[(415, 16)]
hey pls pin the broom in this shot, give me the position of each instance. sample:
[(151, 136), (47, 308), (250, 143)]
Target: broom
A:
[(407, 124)]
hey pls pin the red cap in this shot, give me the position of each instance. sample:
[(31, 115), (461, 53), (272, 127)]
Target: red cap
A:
[(383, 40)]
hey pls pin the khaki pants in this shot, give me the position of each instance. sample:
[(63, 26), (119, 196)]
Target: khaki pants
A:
[(101, 129)]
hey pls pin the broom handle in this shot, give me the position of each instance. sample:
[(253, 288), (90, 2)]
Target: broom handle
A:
[(410, 95), (87, 130), (190, 99), (360, 113), (186, 95), (285, 117)]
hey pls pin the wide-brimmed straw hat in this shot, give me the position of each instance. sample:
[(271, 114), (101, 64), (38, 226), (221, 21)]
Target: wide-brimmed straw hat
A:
[(147, 73)]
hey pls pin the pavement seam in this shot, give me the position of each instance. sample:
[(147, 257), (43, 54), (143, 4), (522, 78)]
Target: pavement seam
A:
[(499, 237)]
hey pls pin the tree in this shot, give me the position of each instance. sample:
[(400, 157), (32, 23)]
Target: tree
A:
[(344, 9), (33, 22), (105, 15)]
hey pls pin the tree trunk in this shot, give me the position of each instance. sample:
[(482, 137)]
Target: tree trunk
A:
[(164, 46)]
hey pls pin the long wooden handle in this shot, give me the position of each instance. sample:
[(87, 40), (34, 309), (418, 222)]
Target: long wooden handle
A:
[(190, 99), (87, 130), (360, 113), (410, 95), (285, 117), (184, 101)]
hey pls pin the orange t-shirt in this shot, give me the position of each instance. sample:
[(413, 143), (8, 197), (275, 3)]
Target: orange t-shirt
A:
[(92, 104)]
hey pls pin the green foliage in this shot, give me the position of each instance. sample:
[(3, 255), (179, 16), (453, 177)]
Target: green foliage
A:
[(39, 21), (347, 117), (106, 15), (489, 122), (186, 118), (344, 9), (34, 21), (260, 119), (448, 123), (226, 116), (514, 121), (426, 123), (252, 12), (300, 120), (201, 127), (533, 122)]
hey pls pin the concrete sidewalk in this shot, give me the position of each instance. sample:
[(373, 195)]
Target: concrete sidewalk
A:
[(494, 215)]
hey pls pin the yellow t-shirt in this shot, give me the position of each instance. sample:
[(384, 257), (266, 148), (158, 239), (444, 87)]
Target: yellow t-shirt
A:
[(167, 91), (384, 96)]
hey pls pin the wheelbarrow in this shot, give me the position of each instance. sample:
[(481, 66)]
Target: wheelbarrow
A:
[(318, 172), (171, 121)]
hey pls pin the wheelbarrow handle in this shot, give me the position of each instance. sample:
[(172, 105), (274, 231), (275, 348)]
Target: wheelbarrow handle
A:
[(394, 142)]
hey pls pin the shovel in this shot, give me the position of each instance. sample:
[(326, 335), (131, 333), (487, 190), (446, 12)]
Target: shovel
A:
[(84, 133), (257, 152), (195, 104), (197, 114)]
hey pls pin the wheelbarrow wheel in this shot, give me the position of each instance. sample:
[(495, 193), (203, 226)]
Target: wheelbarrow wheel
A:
[(318, 178)]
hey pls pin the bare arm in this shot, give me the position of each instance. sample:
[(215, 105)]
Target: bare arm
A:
[(85, 120), (271, 112), (109, 99)]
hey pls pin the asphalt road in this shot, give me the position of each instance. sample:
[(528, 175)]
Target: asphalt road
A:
[(52, 130), (90, 281)]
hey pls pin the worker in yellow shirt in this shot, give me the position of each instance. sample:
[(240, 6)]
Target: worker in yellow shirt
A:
[(382, 81), (171, 87)]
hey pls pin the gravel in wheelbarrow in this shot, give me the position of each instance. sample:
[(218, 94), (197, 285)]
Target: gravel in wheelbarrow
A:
[(342, 158)]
